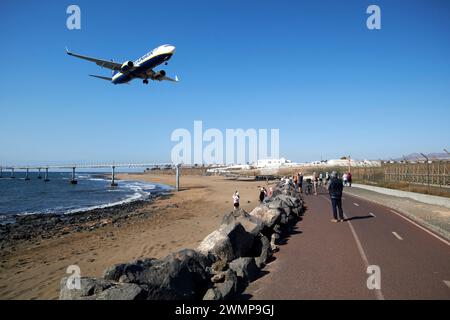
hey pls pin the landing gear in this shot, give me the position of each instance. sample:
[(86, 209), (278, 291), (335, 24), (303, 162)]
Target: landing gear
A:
[(166, 63), (145, 81)]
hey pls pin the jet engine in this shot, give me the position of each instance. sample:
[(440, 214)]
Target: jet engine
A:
[(127, 66), (158, 75)]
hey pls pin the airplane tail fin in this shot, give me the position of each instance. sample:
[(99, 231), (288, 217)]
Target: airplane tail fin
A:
[(171, 79), (101, 77)]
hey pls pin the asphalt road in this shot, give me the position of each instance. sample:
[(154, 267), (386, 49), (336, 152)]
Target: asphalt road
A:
[(326, 260)]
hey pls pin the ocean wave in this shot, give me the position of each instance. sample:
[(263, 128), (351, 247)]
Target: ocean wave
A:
[(134, 197)]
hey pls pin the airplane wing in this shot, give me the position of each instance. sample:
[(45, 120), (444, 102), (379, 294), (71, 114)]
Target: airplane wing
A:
[(102, 63), (101, 77)]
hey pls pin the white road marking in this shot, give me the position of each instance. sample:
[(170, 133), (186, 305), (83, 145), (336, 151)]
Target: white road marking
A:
[(447, 283), (363, 255), (424, 229), (373, 215), (356, 204), (396, 235)]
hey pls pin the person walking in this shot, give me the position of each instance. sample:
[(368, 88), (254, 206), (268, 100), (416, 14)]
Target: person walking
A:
[(262, 194), (236, 200), (315, 181), (349, 179), (335, 190), (300, 181), (344, 178), (327, 178)]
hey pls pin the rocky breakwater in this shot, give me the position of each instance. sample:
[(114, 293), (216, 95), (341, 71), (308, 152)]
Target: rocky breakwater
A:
[(219, 269)]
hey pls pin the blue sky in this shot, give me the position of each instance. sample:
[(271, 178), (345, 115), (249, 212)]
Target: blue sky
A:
[(310, 68)]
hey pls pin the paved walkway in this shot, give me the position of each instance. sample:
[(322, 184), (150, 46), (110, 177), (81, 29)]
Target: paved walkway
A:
[(434, 217), (325, 260)]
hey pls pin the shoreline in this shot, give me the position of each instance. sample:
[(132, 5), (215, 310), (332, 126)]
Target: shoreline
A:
[(33, 269), (32, 226)]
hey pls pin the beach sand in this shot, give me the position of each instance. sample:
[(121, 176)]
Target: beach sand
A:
[(33, 269)]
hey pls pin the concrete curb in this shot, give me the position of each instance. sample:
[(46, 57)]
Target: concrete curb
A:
[(434, 200)]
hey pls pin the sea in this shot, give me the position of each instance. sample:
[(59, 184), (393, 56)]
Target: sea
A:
[(20, 197)]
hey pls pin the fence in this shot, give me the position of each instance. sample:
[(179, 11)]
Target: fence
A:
[(436, 173), (429, 178)]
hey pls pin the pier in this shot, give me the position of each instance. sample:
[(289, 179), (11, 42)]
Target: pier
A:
[(75, 167)]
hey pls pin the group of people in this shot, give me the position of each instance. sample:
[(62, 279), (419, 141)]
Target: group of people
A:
[(263, 194), (347, 179), (334, 185)]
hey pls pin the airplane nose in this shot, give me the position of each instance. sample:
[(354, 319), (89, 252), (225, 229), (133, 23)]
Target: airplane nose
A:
[(171, 49)]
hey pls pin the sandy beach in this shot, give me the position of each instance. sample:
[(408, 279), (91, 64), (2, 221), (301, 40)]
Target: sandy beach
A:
[(33, 269)]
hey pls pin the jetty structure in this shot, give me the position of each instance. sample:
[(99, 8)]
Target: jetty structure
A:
[(13, 169)]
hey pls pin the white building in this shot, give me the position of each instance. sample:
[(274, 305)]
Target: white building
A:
[(272, 163)]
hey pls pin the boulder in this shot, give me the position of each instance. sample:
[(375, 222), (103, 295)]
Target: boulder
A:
[(89, 287), (212, 294), (267, 215), (231, 286), (181, 275), (262, 251), (275, 203), (126, 291), (218, 266), (128, 272), (245, 268), (233, 215), (273, 241), (228, 243), (251, 224), (283, 218), (241, 241), (217, 244), (220, 277), (225, 290)]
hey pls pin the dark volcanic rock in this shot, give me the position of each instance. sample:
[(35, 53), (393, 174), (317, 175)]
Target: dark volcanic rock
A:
[(240, 239), (129, 272), (225, 290), (180, 275), (125, 291), (261, 250), (251, 224), (245, 268), (231, 241), (88, 287)]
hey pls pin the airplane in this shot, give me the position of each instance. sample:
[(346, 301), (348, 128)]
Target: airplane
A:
[(141, 68)]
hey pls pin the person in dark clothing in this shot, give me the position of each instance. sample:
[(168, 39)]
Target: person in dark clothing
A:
[(335, 190), (300, 181), (349, 179), (262, 194)]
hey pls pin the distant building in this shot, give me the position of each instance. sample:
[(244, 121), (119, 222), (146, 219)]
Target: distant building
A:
[(345, 163), (272, 163)]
